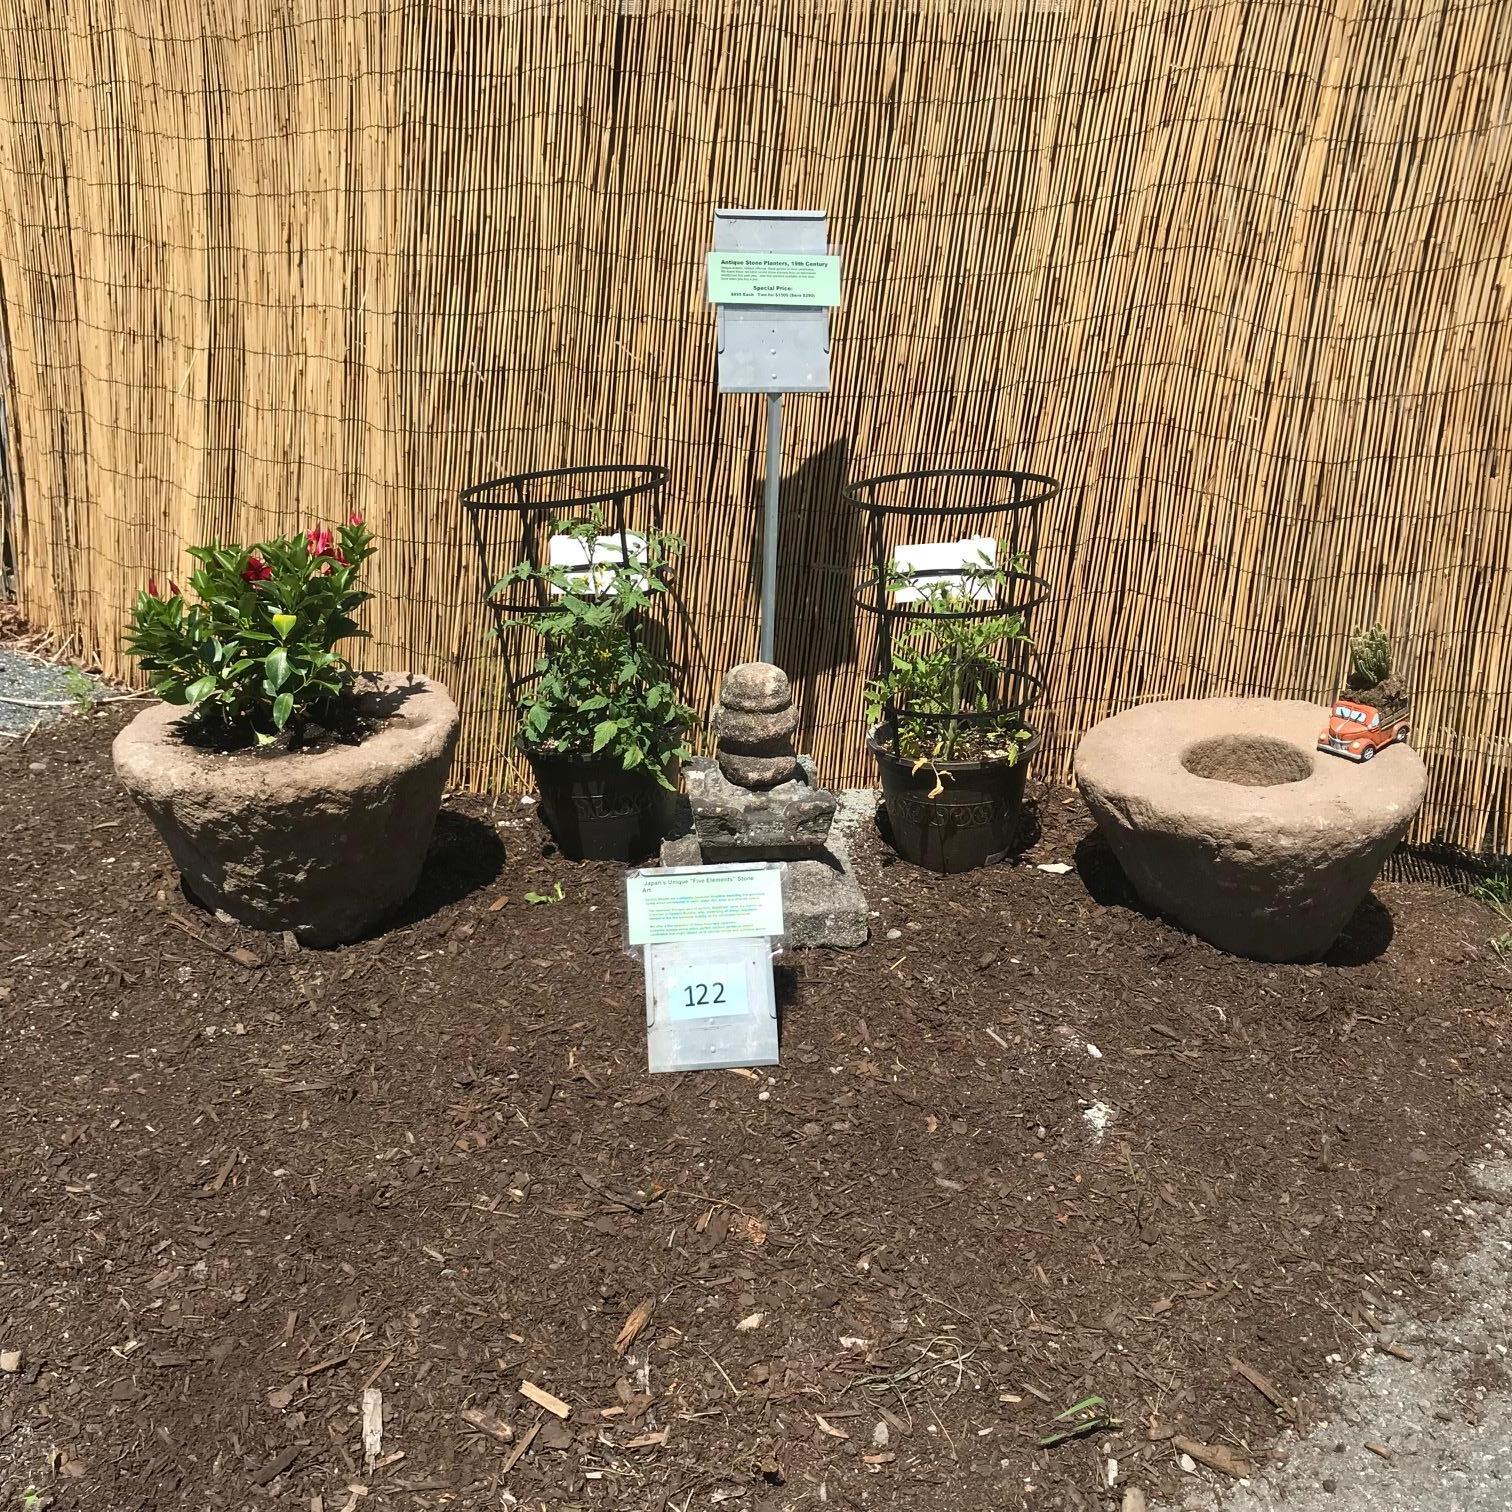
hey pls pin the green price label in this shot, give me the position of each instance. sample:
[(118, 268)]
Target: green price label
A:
[(795, 279)]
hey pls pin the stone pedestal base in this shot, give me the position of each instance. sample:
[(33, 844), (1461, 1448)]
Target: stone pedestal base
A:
[(807, 828)]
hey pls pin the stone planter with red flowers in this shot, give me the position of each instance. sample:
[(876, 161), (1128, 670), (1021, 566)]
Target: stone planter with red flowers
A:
[(292, 792)]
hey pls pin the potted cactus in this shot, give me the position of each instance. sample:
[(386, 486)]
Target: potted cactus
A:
[(293, 792), (1374, 710)]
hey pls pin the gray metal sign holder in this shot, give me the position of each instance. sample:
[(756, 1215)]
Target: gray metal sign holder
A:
[(772, 350)]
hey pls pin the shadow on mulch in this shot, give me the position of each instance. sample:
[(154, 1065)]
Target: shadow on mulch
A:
[(465, 856), (1366, 937)]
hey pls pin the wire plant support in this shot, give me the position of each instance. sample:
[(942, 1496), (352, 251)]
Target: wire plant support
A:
[(540, 498), (916, 504), (512, 519)]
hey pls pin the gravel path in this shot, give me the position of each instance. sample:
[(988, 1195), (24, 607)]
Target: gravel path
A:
[(1444, 1416), (25, 677)]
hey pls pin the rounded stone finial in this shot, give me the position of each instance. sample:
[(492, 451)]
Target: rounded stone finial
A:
[(754, 721), (756, 688)]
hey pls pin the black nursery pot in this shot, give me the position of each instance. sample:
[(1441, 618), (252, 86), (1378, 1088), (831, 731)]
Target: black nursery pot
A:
[(977, 820), (596, 810)]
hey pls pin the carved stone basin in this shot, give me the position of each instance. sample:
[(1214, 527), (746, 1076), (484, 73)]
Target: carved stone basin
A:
[(1225, 816)]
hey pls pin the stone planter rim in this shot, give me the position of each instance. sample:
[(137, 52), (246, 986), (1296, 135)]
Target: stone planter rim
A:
[(1337, 793), (256, 773)]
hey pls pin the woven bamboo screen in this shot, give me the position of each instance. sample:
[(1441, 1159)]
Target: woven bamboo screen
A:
[(1235, 270)]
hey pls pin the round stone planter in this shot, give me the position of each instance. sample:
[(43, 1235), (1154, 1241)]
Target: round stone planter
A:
[(1225, 817), (322, 843)]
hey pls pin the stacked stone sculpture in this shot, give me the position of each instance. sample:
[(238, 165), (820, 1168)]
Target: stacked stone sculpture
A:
[(754, 721), (758, 801)]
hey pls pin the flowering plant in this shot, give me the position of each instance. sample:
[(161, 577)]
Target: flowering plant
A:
[(253, 657)]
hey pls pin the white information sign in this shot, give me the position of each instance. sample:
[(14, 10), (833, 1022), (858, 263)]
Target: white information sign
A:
[(704, 903), (945, 562), (710, 1000), (590, 564)]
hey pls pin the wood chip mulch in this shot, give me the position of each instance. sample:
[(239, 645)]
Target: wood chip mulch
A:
[(1028, 1147)]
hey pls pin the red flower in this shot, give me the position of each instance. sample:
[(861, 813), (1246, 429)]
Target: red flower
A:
[(320, 542), (354, 518), (256, 570), (152, 588), (174, 590)]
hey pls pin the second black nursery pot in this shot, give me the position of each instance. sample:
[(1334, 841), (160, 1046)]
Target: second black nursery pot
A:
[(598, 811), (976, 819)]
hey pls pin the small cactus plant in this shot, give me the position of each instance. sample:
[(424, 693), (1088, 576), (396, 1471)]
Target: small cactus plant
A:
[(1369, 658)]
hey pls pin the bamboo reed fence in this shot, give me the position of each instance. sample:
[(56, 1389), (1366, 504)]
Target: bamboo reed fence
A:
[(1236, 271)]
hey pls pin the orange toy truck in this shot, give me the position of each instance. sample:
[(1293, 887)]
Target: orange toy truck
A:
[(1356, 731)]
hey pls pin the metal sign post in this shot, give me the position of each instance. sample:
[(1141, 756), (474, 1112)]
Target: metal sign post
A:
[(769, 527), (773, 281)]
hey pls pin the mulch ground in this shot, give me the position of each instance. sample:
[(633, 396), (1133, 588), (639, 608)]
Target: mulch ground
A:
[(1029, 1146)]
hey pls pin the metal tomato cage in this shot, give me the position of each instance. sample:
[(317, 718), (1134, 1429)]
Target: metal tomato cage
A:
[(926, 498), (526, 505)]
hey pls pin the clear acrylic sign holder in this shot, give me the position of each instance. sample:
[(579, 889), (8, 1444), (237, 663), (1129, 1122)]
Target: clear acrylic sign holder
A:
[(710, 1000)]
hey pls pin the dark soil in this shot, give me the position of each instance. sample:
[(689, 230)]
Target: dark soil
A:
[(347, 723), (1390, 697), (1028, 1146), (1248, 761), (923, 738)]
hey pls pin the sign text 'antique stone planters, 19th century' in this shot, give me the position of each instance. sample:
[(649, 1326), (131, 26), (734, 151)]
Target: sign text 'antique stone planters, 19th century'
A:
[(324, 843)]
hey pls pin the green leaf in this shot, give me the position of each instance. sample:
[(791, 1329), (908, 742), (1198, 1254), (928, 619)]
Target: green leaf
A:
[(276, 666), (283, 706), (284, 623), (199, 690), (605, 732)]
